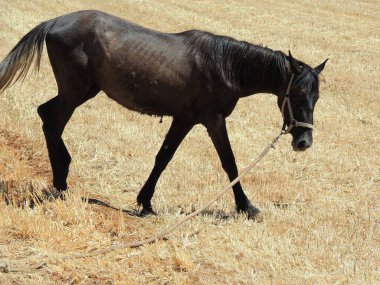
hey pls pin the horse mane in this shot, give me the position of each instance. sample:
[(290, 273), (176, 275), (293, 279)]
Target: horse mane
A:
[(237, 62)]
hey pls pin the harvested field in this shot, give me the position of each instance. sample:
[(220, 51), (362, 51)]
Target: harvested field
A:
[(321, 207)]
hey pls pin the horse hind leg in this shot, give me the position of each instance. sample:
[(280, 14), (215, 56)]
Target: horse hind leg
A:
[(75, 86), (55, 115)]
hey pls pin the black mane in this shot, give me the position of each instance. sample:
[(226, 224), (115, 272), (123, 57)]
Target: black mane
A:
[(237, 62)]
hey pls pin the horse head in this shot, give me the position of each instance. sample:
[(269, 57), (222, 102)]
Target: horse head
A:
[(298, 102)]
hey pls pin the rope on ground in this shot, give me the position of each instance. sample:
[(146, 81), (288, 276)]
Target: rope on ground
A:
[(4, 267)]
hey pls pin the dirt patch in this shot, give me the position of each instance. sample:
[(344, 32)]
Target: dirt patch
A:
[(25, 172), (20, 159)]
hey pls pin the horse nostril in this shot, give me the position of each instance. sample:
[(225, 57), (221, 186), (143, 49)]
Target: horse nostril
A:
[(302, 144)]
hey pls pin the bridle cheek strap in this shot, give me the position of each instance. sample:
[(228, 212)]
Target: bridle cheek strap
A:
[(293, 122)]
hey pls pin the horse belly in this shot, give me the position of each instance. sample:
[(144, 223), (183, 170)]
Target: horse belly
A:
[(148, 81), (153, 94)]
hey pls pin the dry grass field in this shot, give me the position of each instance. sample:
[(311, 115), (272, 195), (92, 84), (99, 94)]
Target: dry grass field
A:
[(321, 208)]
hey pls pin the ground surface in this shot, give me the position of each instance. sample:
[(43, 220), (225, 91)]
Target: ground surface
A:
[(321, 208)]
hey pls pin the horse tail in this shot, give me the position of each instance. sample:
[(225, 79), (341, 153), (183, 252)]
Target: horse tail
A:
[(17, 63)]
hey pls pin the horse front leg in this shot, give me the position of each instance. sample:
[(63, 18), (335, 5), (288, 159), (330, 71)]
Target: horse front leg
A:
[(177, 132), (216, 128)]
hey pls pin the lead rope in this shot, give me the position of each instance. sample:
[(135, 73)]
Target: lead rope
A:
[(170, 229), (4, 267)]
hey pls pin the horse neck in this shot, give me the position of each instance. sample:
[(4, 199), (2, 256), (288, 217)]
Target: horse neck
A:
[(264, 71), (244, 68)]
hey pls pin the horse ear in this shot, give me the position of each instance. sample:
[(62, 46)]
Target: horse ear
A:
[(296, 68), (320, 67)]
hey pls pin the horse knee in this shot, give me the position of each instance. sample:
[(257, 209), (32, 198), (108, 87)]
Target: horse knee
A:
[(164, 155)]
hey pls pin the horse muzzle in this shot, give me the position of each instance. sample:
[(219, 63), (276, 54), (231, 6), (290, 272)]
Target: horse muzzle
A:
[(302, 142)]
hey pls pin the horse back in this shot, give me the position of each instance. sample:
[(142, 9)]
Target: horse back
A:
[(142, 69)]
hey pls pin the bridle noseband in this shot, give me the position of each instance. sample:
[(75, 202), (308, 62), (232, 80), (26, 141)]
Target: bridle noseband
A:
[(293, 122)]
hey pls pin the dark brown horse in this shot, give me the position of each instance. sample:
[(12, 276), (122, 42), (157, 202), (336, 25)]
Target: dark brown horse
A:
[(194, 76)]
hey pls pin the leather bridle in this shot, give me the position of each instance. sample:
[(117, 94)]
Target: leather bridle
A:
[(293, 122)]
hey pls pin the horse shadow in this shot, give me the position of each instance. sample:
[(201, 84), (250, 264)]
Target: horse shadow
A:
[(216, 213), (46, 194), (29, 196)]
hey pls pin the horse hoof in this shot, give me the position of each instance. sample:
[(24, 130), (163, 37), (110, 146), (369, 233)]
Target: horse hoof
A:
[(256, 216), (53, 193), (60, 185), (147, 212), (252, 213)]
